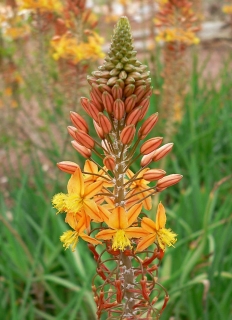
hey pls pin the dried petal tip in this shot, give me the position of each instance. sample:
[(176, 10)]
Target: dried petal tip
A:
[(168, 181), (67, 166)]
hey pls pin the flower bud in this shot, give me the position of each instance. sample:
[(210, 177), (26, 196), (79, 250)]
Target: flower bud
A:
[(147, 126), (98, 130), (98, 105), (168, 181), (108, 102), (104, 123), (117, 92), (130, 103), (104, 88), (79, 122), (72, 131), (84, 139), (129, 89), (150, 145), (140, 92), (119, 109), (162, 151), (127, 134), (67, 166), (109, 162), (146, 159), (85, 152), (133, 116), (154, 174)]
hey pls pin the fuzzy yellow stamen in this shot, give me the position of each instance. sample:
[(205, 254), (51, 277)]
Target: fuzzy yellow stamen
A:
[(69, 238), (121, 241), (59, 202)]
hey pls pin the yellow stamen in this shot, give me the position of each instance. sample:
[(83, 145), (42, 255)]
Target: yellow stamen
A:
[(121, 241), (69, 238)]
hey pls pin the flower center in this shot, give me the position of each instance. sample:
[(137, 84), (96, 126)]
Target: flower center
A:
[(121, 241)]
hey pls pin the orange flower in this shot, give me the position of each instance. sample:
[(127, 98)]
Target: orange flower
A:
[(120, 221), (156, 231)]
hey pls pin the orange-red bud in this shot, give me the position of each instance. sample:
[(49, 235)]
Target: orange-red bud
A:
[(98, 105), (168, 181), (130, 103), (79, 122), (84, 139), (154, 174), (98, 130), (72, 131), (109, 162), (147, 126), (162, 151), (117, 92), (129, 89), (85, 152), (108, 102), (119, 109), (67, 166), (146, 159), (133, 116), (104, 123), (150, 145), (127, 134)]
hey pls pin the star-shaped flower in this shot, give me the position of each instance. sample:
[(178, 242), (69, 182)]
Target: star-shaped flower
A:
[(156, 231)]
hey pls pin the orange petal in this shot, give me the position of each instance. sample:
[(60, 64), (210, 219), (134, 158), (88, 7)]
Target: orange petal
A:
[(129, 173), (93, 189), (160, 217), (83, 223), (105, 234), (110, 202), (76, 183), (146, 242), (133, 213), (104, 213), (136, 232), (72, 218), (89, 239), (90, 167), (118, 219), (148, 225), (91, 209), (147, 201)]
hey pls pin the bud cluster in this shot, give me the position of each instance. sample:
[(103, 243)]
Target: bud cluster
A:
[(110, 193)]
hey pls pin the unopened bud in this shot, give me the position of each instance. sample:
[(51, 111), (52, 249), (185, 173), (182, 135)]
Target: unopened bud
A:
[(119, 109), (168, 181), (140, 92), (117, 92), (104, 87), (133, 116), (109, 162), (127, 134), (162, 151), (154, 174), (98, 105), (129, 89), (104, 123), (84, 139), (105, 146), (130, 103), (72, 131), (79, 122), (150, 145), (98, 130), (146, 159), (67, 166), (147, 126), (108, 102), (85, 152)]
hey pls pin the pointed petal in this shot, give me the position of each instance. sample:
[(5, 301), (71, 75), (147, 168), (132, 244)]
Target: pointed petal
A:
[(160, 217), (90, 167), (118, 219), (105, 214), (76, 183), (129, 173), (136, 232), (91, 209), (110, 202), (93, 189), (148, 225), (105, 234), (133, 213), (146, 242), (89, 239), (147, 201)]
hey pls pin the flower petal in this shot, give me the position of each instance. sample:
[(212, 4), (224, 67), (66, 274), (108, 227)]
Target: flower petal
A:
[(105, 234), (136, 232), (105, 214), (146, 242), (92, 189), (76, 183), (148, 225), (133, 213), (118, 219), (160, 217), (89, 239), (90, 167), (91, 209)]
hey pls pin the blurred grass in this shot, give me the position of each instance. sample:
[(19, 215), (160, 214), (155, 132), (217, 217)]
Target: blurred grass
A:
[(39, 280)]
